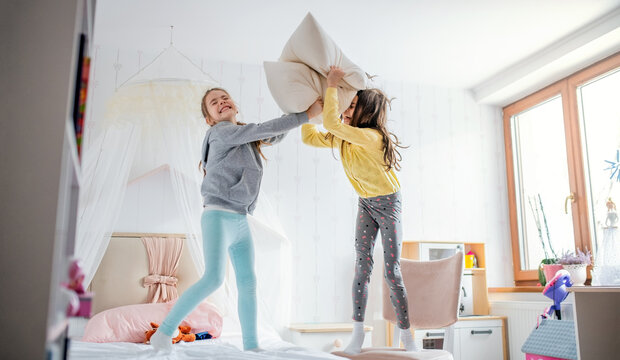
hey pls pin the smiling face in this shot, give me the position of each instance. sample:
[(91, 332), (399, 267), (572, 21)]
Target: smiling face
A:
[(219, 107), (347, 115)]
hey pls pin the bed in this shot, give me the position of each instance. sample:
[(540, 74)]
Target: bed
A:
[(118, 282)]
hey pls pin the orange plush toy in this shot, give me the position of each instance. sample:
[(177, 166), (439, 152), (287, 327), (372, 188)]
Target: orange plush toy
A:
[(182, 334)]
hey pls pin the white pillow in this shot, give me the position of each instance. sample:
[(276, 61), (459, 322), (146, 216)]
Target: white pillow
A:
[(311, 45), (295, 87)]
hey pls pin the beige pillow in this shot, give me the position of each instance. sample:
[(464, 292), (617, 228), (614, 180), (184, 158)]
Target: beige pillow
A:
[(295, 87), (299, 78), (311, 45)]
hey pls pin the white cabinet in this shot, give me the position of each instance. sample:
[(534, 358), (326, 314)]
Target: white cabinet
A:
[(325, 337), (478, 340), (474, 338)]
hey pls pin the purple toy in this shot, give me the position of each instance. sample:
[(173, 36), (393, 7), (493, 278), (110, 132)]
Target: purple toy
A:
[(556, 291)]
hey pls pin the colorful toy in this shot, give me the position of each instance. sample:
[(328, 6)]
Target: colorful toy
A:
[(76, 277), (203, 335), (182, 334), (76, 286), (556, 291)]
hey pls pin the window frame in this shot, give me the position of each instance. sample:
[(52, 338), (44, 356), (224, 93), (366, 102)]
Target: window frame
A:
[(567, 89)]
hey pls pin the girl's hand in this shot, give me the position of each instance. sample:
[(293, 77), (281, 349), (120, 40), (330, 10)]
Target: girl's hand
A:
[(334, 76), (315, 109)]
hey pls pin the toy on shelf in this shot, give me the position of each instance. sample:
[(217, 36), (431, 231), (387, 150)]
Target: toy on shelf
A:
[(556, 290), (470, 260), (612, 216), (606, 271), (76, 285)]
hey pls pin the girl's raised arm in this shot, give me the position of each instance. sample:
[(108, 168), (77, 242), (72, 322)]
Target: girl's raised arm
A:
[(331, 116), (310, 135), (237, 135)]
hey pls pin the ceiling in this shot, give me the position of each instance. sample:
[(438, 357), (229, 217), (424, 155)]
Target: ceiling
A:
[(447, 43)]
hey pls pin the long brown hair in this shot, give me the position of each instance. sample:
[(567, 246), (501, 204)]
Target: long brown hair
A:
[(205, 113), (371, 112)]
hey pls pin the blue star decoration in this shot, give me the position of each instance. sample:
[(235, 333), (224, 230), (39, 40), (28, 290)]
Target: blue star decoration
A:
[(614, 167)]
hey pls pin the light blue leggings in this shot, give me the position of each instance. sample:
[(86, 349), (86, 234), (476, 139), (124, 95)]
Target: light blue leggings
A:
[(222, 230)]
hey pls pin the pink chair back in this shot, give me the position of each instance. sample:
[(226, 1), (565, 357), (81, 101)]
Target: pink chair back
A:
[(433, 289)]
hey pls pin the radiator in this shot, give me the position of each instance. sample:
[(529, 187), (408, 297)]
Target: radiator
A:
[(522, 316)]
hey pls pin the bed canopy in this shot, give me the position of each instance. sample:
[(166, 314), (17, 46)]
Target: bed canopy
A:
[(153, 120)]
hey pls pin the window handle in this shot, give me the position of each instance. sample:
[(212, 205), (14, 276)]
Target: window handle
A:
[(572, 200)]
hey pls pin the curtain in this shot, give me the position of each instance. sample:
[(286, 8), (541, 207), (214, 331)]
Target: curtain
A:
[(105, 169), (164, 255)]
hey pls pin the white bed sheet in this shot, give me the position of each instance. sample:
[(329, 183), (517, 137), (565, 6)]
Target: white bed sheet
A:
[(202, 349), (228, 346)]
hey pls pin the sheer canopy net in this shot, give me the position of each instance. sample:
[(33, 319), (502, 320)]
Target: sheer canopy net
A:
[(154, 120)]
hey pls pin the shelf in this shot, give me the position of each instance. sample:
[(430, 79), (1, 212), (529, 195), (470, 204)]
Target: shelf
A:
[(516, 289), (594, 289), (473, 271)]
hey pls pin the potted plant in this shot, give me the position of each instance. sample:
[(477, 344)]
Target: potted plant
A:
[(549, 265), (576, 263)]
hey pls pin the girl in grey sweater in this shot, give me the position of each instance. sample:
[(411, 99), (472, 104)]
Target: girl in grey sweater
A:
[(231, 161)]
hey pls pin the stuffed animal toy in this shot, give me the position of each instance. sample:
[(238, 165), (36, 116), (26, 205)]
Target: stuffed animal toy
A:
[(183, 333)]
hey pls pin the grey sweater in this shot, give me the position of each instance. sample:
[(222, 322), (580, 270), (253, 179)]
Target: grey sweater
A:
[(233, 165)]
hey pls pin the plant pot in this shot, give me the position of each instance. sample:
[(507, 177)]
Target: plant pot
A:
[(578, 274), (550, 269)]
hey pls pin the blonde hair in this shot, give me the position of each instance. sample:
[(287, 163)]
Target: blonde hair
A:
[(205, 113), (371, 112)]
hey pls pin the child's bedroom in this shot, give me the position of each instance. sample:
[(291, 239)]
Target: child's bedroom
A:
[(290, 179)]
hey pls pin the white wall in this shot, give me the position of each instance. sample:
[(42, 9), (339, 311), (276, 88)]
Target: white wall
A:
[(150, 206), (453, 181)]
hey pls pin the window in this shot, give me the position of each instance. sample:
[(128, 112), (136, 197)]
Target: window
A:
[(561, 146)]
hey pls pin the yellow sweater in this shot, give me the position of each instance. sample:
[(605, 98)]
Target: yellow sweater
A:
[(362, 158)]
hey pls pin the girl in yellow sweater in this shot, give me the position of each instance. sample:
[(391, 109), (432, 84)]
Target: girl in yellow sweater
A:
[(370, 157)]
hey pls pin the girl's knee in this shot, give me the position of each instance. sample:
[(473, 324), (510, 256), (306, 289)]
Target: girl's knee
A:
[(393, 278), (212, 276)]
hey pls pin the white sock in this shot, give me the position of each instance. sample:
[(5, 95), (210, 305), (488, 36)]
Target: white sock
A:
[(407, 338), (357, 339), (161, 341)]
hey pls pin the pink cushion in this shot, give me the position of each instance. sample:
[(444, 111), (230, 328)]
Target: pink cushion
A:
[(396, 354), (128, 323)]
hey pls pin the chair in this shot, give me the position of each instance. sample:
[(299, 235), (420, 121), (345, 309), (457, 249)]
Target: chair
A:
[(433, 289)]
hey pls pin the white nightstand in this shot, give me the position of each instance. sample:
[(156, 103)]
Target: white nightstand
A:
[(326, 336), (475, 338)]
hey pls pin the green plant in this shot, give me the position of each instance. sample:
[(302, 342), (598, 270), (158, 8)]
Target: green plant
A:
[(536, 213)]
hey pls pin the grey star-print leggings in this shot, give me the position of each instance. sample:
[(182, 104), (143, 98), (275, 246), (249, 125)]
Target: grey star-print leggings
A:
[(379, 213)]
